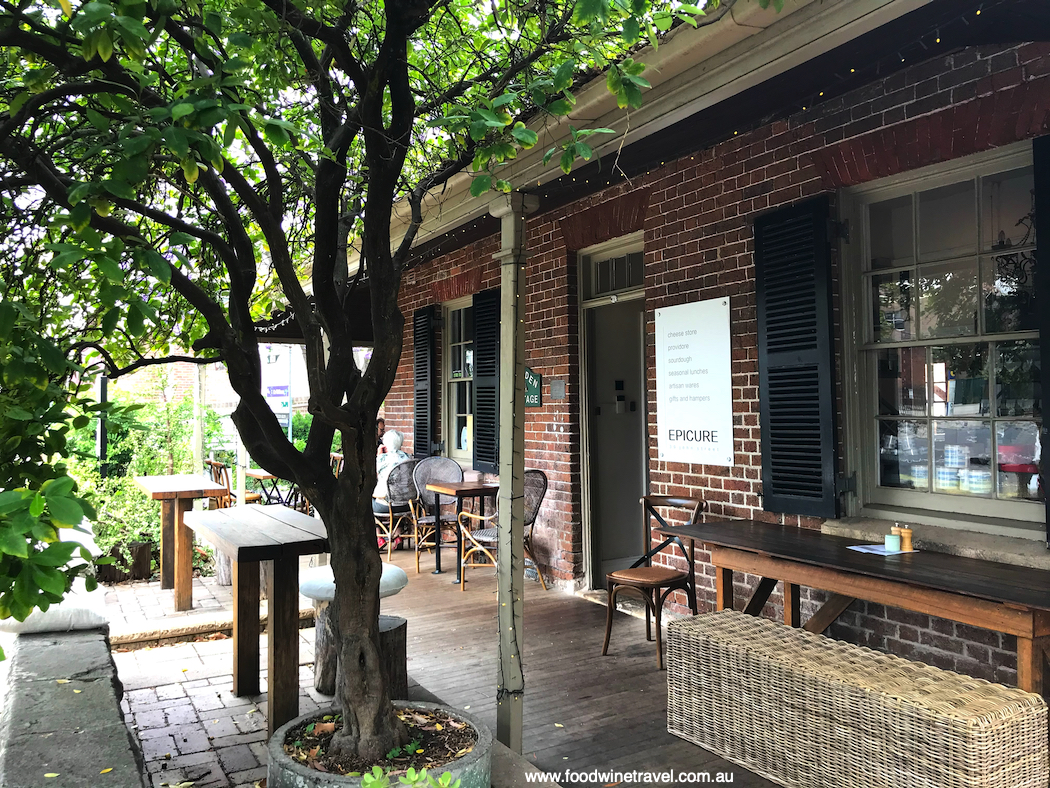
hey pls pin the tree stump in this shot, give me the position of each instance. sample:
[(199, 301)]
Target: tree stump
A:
[(326, 651), (393, 646), (223, 569)]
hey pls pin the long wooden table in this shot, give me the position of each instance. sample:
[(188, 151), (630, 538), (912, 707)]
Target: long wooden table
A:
[(248, 535), (1000, 597), (176, 494)]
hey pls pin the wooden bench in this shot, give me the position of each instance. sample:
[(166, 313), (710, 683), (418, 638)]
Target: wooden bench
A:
[(804, 710)]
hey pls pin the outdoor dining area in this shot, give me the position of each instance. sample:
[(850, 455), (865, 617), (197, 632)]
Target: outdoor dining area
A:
[(265, 537)]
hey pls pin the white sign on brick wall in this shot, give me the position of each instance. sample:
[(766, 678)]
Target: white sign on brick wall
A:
[(694, 383)]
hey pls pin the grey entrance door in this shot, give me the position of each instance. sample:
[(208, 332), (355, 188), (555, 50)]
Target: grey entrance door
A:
[(616, 449)]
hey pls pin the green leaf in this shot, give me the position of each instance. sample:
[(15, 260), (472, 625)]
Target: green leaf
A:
[(559, 107), (631, 30), (525, 137), (50, 580), (691, 9), (53, 358), (182, 110), (134, 321), (119, 189), (241, 40), (7, 319), (480, 185), (235, 64), (13, 500), (19, 414), (90, 584), (563, 75), (97, 120), (65, 511), (60, 485), (110, 320), (585, 152), (275, 134), (13, 543), (56, 554), (566, 162), (109, 268), (36, 507), (104, 45), (591, 10), (181, 238), (213, 22)]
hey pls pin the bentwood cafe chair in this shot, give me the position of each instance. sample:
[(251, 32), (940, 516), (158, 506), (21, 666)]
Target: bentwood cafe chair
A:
[(655, 583)]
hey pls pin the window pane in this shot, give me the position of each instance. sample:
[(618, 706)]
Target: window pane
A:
[(1019, 459), (1017, 380), (902, 382), (619, 273), (1008, 209), (892, 307), (634, 262), (468, 324), (948, 299), (962, 457), (890, 224), (468, 355), (947, 222), (456, 361), (462, 401), (604, 277), (904, 450), (960, 380), (462, 435), (456, 330), (1009, 292)]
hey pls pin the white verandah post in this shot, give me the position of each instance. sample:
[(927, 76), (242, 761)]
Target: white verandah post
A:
[(511, 210)]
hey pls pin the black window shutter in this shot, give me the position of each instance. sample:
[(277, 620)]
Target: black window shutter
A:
[(1041, 154), (425, 396), (795, 360), (486, 381)]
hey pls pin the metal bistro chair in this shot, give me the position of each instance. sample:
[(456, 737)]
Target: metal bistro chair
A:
[(484, 540), (220, 474), (400, 494), (430, 469), (655, 583)]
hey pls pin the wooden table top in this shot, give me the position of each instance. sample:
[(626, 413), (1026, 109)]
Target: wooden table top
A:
[(179, 485), (464, 489), (260, 533), (1005, 583), (258, 473)]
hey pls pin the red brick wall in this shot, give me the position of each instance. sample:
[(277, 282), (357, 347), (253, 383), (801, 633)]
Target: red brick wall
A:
[(698, 245)]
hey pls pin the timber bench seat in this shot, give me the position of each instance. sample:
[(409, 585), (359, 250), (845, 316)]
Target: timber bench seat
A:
[(804, 710)]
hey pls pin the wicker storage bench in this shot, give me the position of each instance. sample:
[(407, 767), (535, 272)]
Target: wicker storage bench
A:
[(804, 710)]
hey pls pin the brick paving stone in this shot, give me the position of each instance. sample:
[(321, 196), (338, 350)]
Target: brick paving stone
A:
[(141, 696), (170, 692), (237, 758), (240, 738), (181, 715), (220, 727), (152, 749), (150, 719), (194, 761), (247, 778), (191, 739)]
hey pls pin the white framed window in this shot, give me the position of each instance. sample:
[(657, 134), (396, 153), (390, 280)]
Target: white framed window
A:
[(613, 267), (458, 369), (948, 413)]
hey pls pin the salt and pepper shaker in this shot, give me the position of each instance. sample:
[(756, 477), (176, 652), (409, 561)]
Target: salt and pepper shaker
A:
[(905, 534), (893, 542)]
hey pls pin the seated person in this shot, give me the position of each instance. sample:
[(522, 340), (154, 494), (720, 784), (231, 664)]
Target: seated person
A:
[(390, 456)]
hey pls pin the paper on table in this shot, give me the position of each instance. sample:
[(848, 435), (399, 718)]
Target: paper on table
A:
[(878, 549)]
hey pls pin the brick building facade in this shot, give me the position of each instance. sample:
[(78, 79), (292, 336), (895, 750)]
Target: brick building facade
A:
[(697, 215)]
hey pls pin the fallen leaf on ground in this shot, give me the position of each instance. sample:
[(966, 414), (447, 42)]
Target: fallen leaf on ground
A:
[(77, 692), (558, 725), (106, 771), (324, 727), (260, 783), (49, 775), (61, 681), (251, 711)]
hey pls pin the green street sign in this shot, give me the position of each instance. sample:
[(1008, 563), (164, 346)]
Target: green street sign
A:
[(533, 389)]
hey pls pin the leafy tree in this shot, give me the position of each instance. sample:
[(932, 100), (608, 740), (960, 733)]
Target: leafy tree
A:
[(180, 168)]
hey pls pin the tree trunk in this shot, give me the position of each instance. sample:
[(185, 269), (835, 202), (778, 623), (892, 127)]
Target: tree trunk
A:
[(370, 727)]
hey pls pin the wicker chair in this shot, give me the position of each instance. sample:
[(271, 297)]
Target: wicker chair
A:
[(430, 469), (336, 461), (655, 583), (400, 495), (484, 540), (220, 474)]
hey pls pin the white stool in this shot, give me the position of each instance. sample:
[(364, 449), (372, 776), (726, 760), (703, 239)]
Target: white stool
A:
[(318, 584)]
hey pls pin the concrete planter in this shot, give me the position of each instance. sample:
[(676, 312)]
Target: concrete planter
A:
[(473, 769)]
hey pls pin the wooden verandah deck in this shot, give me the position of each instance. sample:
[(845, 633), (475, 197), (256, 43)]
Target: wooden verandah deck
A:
[(583, 712)]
